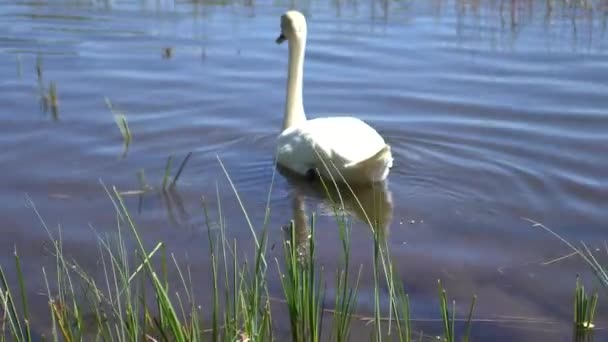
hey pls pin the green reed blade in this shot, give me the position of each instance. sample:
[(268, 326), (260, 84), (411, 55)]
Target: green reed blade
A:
[(167, 171), (21, 280)]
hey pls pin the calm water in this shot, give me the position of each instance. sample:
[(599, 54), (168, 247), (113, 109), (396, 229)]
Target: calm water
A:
[(496, 110)]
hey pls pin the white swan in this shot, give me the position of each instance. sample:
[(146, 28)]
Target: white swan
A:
[(334, 147)]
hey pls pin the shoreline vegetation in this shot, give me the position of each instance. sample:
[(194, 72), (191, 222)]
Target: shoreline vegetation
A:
[(135, 301)]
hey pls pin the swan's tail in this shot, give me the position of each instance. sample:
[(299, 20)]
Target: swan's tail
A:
[(376, 167)]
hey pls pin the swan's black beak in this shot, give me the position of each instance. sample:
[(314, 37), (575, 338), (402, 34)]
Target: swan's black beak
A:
[(280, 39)]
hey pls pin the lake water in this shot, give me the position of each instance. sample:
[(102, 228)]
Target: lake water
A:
[(495, 111)]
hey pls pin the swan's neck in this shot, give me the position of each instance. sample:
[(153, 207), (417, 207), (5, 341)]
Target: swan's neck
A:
[(294, 107)]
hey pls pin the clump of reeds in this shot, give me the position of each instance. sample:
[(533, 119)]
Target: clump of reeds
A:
[(302, 287), (584, 314), (584, 307), (448, 320)]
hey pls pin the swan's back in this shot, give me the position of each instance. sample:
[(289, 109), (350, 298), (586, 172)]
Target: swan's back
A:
[(345, 141)]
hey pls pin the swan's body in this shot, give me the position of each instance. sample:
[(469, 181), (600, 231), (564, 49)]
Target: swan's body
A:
[(336, 147), (343, 148)]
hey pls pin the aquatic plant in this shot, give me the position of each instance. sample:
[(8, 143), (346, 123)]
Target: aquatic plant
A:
[(168, 167), (123, 125), (449, 320), (135, 300), (167, 173), (49, 98), (600, 271), (584, 307)]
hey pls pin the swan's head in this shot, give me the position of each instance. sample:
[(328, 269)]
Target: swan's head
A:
[(293, 26)]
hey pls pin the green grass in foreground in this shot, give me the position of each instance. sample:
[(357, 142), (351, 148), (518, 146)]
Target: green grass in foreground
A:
[(135, 302)]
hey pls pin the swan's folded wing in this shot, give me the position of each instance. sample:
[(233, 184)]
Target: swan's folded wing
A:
[(343, 144), (346, 140)]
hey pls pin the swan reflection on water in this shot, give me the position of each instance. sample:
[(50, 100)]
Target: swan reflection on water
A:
[(370, 204)]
